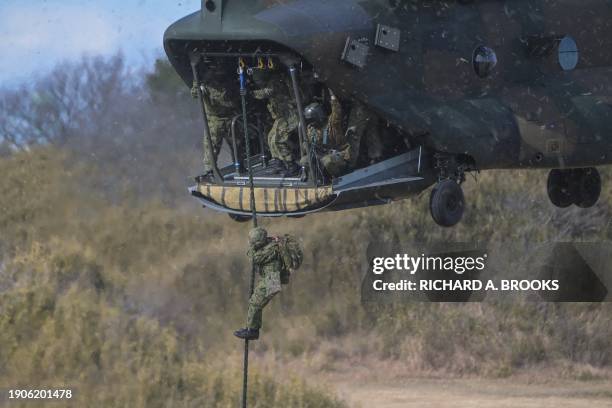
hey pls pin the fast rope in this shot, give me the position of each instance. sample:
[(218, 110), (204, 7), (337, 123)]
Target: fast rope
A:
[(243, 93)]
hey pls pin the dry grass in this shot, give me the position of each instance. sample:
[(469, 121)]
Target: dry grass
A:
[(133, 301)]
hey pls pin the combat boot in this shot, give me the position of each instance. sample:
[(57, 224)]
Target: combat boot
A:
[(247, 334)]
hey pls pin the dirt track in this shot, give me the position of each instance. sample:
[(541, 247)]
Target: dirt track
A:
[(478, 394)]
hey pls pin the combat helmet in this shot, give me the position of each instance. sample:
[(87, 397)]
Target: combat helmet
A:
[(314, 113), (258, 237)]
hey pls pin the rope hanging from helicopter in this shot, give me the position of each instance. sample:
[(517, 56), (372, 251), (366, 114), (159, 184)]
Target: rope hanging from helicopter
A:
[(243, 93), (314, 168)]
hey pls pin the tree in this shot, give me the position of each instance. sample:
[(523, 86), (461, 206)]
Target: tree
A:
[(69, 101), (140, 128)]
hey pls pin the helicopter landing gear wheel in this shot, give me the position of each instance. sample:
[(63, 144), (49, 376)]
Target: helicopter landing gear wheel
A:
[(447, 203), (560, 187), (581, 187), (588, 187)]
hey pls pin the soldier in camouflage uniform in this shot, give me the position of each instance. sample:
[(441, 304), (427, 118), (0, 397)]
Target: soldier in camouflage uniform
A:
[(341, 149), (281, 105), (265, 253), (222, 103), (363, 123), (327, 134)]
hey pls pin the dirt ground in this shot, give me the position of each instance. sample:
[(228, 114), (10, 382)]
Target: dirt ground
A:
[(477, 394)]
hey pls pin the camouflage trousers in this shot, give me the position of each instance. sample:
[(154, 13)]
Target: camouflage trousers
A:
[(279, 139), (220, 128), (363, 124), (268, 286)]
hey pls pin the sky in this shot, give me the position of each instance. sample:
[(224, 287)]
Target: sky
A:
[(35, 35)]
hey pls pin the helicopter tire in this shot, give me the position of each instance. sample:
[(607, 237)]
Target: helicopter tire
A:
[(447, 203), (587, 188), (561, 187)]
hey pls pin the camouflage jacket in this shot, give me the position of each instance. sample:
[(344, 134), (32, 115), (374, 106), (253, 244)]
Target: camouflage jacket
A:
[(267, 258), (331, 135), (278, 95), (220, 101)]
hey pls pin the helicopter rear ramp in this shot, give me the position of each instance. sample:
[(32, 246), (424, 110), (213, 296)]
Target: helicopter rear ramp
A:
[(381, 183)]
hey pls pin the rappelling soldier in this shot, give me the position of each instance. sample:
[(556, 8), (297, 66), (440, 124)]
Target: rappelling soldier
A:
[(274, 258)]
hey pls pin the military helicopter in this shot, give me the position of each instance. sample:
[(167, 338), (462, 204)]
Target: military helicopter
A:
[(462, 86)]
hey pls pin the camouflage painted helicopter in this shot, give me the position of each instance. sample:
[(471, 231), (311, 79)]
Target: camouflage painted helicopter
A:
[(462, 86)]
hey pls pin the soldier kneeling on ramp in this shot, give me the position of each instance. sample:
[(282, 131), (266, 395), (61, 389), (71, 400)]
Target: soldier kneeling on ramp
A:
[(274, 258)]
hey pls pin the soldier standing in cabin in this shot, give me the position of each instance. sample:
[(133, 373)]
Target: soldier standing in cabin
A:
[(276, 91), (327, 134), (274, 258), (341, 149), (222, 105), (363, 123)]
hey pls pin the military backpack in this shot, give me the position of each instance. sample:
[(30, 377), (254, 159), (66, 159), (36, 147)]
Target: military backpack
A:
[(291, 255)]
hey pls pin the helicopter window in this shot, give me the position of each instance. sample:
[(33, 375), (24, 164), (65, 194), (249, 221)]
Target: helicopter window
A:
[(484, 61), (568, 53)]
